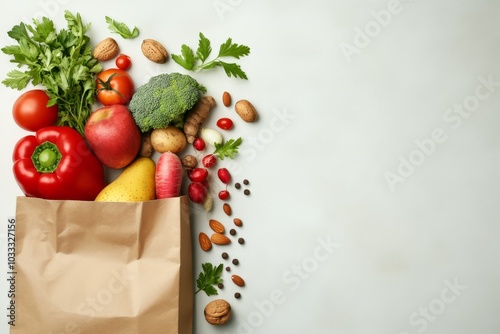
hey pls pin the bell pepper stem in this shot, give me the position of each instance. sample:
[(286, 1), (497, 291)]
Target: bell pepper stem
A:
[(46, 157)]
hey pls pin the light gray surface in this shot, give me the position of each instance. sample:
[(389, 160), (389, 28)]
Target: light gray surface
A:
[(353, 95)]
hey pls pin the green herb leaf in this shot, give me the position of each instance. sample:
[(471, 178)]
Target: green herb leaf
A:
[(227, 149), (187, 59), (204, 48), (200, 62), (230, 49), (17, 79), (233, 69), (121, 28), (210, 276)]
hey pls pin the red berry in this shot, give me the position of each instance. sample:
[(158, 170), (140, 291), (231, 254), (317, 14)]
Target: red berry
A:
[(199, 144), (223, 194), (224, 175), (209, 160)]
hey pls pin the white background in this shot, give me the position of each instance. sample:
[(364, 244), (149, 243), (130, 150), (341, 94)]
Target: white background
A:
[(349, 93)]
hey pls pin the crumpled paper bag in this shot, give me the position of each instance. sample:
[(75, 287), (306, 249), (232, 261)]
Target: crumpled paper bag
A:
[(99, 267)]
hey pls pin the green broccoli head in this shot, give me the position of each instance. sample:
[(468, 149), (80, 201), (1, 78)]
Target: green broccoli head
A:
[(164, 100)]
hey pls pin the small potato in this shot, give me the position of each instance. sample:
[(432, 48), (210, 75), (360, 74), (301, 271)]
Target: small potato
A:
[(169, 139), (189, 162)]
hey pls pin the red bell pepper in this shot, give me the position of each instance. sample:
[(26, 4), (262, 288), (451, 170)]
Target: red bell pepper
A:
[(56, 163)]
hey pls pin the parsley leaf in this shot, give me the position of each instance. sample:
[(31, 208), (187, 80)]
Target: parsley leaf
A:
[(210, 276), (204, 48), (227, 149), (199, 61), (17, 79), (187, 59), (121, 28), (230, 49), (234, 70)]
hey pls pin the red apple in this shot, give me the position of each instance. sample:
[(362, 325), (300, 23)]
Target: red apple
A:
[(113, 136)]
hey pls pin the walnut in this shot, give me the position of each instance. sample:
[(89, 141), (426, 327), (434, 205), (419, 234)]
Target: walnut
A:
[(217, 312)]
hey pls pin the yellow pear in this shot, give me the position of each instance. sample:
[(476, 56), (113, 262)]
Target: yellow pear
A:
[(136, 183)]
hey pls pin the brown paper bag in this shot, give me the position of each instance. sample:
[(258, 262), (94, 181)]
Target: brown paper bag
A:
[(110, 268)]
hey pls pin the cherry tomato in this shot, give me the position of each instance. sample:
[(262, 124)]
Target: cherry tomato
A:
[(199, 144), (114, 86), (225, 123), (31, 113), (123, 62)]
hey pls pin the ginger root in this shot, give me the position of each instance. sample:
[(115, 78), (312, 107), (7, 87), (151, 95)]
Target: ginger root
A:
[(196, 116)]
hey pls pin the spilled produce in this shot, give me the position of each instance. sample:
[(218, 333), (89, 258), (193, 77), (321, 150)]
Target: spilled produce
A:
[(91, 119)]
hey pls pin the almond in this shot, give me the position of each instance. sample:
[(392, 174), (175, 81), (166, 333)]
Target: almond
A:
[(238, 222), (238, 280), (154, 51), (220, 239), (205, 242), (246, 111), (216, 226), (226, 99), (106, 49), (227, 209)]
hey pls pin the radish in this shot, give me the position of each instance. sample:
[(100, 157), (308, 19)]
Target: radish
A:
[(198, 174), (223, 194), (224, 175), (197, 192), (199, 144), (168, 176), (209, 160)]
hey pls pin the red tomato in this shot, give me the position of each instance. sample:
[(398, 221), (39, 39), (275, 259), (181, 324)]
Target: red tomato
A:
[(123, 62), (225, 123), (31, 113), (114, 86)]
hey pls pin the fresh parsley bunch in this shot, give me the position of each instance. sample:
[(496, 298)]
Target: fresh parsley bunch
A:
[(61, 61), (199, 60)]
